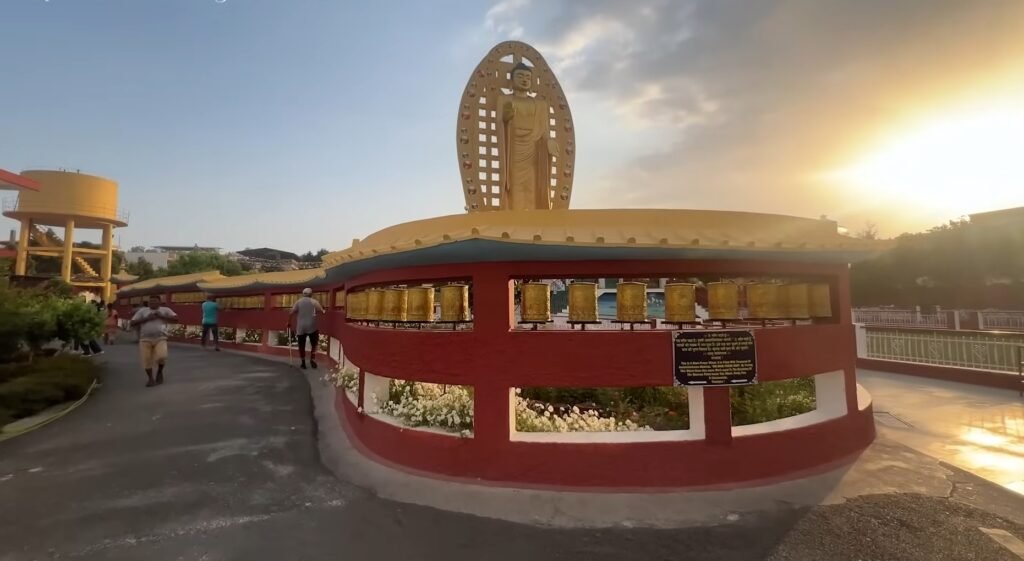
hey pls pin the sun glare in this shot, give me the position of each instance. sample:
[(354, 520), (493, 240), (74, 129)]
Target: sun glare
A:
[(957, 163)]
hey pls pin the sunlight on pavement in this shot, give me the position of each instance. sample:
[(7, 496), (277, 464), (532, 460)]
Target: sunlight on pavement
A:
[(994, 451)]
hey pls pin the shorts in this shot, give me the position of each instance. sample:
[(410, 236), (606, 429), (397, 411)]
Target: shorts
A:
[(152, 352)]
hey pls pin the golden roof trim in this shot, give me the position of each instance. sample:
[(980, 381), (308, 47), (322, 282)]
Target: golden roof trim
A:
[(277, 278), (171, 282), (664, 228)]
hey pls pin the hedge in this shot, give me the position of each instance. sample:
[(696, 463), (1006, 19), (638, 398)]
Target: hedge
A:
[(31, 388)]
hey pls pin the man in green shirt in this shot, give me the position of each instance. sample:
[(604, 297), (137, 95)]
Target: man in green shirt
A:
[(210, 321)]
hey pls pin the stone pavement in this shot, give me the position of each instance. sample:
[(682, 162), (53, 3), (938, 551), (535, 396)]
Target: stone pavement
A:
[(974, 428), (222, 463)]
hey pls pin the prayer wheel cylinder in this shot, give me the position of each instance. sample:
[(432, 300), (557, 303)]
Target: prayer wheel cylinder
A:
[(764, 301), (396, 304), (797, 301), (582, 301), (680, 302), (536, 306), (349, 302), (820, 300), (723, 300), (374, 304), (360, 304), (631, 301), (421, 304), (455, 302)]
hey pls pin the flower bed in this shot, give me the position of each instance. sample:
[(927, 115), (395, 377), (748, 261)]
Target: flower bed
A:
[(450, 408)]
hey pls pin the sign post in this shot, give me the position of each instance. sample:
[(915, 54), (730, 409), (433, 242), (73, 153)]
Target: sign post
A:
[(714, 358)]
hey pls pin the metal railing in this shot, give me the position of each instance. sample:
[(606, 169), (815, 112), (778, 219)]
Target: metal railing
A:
[(11, 204), (994, 351), (899, 318), (1001, 320)]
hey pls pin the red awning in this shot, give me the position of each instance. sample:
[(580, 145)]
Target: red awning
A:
[(10, 180)]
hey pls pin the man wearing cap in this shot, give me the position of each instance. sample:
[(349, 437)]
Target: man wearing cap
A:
[(305, 311)]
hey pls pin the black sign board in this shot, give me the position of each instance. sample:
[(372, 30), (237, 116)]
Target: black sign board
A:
[(713, 358)]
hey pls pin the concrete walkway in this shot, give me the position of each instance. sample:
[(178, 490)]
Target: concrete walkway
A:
[(974, 428), (222, 463)]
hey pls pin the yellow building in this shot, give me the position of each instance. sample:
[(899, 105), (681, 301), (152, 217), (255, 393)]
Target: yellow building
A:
[(72, 201)]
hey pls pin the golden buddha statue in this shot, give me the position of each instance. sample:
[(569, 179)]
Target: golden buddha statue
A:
[(515, 137), (528, 149)]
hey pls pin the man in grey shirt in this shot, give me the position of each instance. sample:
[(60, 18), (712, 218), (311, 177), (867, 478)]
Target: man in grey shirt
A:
[(305, 311), (152, 325)]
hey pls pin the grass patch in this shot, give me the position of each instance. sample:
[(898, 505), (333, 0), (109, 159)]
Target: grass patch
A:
[(31, 388)]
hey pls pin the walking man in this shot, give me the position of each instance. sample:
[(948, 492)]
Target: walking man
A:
[(305, 311), (152, 323), (210, 321)]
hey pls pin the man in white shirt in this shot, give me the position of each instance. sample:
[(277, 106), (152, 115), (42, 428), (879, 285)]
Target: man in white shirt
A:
[(152, 324), (305, 311)]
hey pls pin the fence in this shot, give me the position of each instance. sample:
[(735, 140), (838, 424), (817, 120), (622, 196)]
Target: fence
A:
[(985, 320), (1001, 321), (899, 318), (1000, 352)]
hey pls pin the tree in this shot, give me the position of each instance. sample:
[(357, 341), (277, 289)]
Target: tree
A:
[(953, 265), (196, 262), (142, 269), (309, 256), (868, 232)]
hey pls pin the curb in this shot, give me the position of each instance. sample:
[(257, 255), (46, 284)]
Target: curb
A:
[(52, 418)]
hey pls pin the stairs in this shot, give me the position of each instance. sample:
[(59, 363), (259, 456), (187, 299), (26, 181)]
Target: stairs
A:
[(47, 238)]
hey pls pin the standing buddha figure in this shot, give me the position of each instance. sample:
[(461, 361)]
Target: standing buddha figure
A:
[(528, 148)]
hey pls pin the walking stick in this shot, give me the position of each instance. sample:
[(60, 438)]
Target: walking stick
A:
[(291, 361)]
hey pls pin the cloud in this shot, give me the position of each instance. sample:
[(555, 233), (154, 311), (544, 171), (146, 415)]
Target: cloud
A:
[(762, 96), (501, 18)]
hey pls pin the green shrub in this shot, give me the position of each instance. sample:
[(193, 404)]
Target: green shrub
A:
[(759, 403), (6, 417), (78, 320), (34, 318), (44, 383)]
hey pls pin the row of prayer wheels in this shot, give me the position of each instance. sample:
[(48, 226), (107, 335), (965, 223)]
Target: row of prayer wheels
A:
[(630, 302), (770, 300), (764, 301), (414, 304)]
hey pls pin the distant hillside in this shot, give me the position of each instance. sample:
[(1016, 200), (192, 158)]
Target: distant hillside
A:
[(268, 253)]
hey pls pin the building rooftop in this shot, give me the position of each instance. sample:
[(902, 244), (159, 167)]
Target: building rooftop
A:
[(1003, 216), (186, 248)]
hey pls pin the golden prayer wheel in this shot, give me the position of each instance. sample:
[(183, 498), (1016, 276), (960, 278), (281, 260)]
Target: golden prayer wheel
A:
[(680, 302), (723, 300), (360, 303), (536, 302), (455, 302), (631, 301), (764, 301), (421, 304), (396, 304), (583, 301), (820, 300), (374, 304), (349, 300), (797, 301)]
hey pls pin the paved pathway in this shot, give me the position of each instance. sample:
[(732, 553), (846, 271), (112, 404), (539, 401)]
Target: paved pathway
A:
[(221, 463), (977, 429)]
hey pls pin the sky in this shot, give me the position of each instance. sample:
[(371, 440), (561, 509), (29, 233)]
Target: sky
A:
[(301, 124)]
